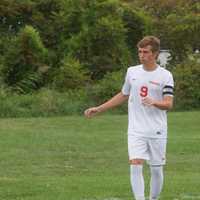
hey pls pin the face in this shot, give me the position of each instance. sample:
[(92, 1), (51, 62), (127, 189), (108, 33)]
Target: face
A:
[(146, 55)]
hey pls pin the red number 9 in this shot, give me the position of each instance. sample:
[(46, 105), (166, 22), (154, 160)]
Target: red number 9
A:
[(143, 91)]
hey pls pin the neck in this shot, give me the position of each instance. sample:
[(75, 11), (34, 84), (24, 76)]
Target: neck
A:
[(150, 66)]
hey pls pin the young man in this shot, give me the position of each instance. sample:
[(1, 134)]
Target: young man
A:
[(149, 91)]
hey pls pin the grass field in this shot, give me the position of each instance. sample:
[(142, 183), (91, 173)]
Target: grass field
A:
[(73, 158)]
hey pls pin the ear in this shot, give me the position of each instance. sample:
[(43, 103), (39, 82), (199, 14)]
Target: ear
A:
[(156, 54)]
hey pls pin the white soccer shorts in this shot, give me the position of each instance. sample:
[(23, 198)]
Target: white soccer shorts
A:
[(152, 150)]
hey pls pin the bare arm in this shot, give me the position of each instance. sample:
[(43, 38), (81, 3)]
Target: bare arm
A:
[(165, 104), (118, 99)]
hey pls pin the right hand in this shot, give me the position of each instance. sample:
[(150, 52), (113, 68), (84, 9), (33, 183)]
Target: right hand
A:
[(91, 112)]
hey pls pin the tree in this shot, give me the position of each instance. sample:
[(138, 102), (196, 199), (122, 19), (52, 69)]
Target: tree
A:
[(101, 42), (70, 75), (187, 83), (176, 23), (24, 61), (100, 34), (14, 14)]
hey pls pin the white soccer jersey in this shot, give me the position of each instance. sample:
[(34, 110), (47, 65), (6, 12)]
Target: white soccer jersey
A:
[(147, 121)]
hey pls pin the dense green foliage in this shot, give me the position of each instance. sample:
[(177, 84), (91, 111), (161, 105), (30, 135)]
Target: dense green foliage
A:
[(73, 158), (24, 62), (94, 34), (85, 45), (187, 79), (176, 23), (43, 103)]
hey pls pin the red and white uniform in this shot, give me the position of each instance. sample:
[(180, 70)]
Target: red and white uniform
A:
[(147, 121)]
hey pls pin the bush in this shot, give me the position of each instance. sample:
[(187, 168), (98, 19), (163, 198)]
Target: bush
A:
[(70, 75), (24, 62), (137, 25), (109, 86), (42, 104), (187, 83), (100, 42), (96, 35)]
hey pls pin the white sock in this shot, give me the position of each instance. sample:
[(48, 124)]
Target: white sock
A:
[(137, 181), (156, 182)]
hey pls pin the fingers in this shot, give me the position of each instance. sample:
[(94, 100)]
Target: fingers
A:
[(87, 113), (90, 112), (147, 101)]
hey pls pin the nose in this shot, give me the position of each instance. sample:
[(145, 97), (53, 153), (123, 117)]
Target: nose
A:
[(141, 55)]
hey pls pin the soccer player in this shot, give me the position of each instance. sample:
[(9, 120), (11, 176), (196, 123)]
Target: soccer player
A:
[(149, 91)]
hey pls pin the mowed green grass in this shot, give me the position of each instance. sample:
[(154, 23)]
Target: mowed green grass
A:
[(73, 158)]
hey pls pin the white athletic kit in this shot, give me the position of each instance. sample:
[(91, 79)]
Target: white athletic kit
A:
[(147, 127)]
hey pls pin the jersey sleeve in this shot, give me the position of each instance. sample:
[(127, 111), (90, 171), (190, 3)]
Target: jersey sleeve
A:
[(168, 88), (126, 86)]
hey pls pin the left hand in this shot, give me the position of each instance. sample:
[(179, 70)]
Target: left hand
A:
[(148, 101)]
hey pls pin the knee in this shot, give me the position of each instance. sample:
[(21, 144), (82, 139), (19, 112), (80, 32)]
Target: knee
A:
[(156, 171), (136, 162)]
